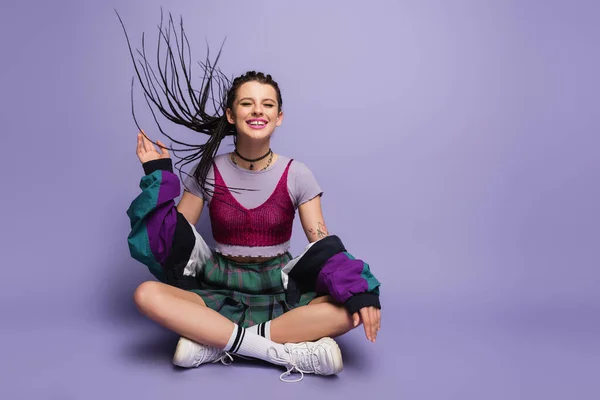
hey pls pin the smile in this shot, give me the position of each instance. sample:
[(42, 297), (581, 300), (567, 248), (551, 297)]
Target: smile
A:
[(257, 123)]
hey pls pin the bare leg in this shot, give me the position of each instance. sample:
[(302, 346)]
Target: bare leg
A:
[(180, 311), (183, 312), (321, 318)]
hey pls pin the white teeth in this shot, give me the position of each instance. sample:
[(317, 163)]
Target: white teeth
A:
[(256, 123)]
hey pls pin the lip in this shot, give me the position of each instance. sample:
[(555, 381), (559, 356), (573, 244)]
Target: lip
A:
[(249, 122)]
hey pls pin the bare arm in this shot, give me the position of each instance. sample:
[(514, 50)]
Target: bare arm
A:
[(311, 217), (191, 206)]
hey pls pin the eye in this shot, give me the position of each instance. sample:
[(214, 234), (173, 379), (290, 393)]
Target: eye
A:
[(269, 105), (245, 104)]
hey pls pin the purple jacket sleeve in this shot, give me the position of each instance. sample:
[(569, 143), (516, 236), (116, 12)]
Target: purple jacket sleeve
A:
[(349, 281), (326, 267), (160, 237)]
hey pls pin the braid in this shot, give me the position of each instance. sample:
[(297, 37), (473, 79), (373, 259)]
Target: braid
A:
[(185, 105)]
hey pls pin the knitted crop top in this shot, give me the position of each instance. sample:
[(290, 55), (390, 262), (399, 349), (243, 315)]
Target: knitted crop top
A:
[(255, 222), (269, 224)]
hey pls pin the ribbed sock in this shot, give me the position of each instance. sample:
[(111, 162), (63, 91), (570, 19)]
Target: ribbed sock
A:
[(246, 343), (263, 329)]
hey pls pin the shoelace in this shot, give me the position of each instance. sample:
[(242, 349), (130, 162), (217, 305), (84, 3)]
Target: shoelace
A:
[(226, 355), (289, 372), (305, 357), (224, 358), (213, 353), (291, 366)]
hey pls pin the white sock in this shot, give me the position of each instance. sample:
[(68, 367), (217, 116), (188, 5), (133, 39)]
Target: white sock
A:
[(249, 344), (263, 329)]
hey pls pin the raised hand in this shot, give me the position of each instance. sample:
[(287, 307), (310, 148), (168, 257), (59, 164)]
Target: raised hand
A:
[(371, 319), (147, 152)]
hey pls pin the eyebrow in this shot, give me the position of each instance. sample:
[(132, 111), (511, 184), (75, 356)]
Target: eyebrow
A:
[(249, 98)]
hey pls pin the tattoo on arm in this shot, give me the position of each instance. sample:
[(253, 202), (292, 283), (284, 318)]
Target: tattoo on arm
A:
[(321, 230)]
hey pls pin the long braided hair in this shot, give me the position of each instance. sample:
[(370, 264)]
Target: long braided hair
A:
[(170, 91)]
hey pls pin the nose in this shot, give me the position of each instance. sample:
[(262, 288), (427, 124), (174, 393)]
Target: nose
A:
[(258, 110)]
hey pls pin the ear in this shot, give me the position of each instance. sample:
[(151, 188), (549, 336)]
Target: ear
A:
[(279, 118), (229, 115)]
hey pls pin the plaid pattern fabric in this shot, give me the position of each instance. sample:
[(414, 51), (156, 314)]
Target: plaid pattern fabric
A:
[(246, 293)]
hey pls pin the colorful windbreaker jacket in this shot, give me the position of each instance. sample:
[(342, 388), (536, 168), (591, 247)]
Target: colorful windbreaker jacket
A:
[(174, 252), (326, 267)]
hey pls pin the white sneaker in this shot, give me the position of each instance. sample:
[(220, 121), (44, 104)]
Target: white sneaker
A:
[(322, 357), (190, 354)]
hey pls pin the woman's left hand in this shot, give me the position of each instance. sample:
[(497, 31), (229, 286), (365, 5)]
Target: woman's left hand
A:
[(371, 320)]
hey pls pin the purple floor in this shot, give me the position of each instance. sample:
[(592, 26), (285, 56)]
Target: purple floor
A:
[(457, 146), (420, 355)]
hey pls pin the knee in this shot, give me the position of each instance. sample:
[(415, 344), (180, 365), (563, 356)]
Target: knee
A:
[(339, 313), (346, 319), (145, 295)]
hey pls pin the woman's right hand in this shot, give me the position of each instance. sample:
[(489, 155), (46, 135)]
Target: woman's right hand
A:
[(147, 152)]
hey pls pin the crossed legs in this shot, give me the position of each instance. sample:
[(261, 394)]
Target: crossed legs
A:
[(186, 313)]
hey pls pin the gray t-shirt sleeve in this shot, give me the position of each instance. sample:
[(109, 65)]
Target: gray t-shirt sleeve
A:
[(190, 184), (303, 185)]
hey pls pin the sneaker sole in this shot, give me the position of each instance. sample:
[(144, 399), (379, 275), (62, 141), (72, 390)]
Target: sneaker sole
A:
[(338, 362)]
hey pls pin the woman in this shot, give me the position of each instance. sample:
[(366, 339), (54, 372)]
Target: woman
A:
[(246, 296)]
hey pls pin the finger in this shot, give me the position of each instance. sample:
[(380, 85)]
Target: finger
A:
[(355, 319), (374, 323), (163, 149), (370, 318), (148, 146), (138, 145), (379, 318), (366, 323), (141, 137)]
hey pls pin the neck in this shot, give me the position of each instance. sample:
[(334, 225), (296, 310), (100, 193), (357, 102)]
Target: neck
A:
[(252, 149)]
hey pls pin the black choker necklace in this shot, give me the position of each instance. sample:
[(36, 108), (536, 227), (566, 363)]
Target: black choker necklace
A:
[(254, 160)]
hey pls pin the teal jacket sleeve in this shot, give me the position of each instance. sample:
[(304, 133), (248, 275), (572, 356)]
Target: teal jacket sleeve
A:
[(160, 237)]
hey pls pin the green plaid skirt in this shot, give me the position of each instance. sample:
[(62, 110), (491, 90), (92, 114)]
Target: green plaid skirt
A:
[(246, 293)]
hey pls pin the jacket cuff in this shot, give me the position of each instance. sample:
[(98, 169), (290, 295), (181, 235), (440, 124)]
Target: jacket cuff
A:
[(361, 300), (165, 164)]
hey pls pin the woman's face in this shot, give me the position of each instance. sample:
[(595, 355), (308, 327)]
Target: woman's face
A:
[(255, 112)]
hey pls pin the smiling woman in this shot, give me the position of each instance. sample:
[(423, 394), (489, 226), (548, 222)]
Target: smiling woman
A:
[(255, 114), (246, 296)]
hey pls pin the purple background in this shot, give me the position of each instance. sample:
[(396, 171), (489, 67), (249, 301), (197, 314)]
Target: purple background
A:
[(456, 141)]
